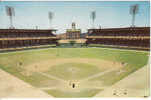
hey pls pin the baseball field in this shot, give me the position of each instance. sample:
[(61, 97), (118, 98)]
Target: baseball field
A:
[(72, 72)]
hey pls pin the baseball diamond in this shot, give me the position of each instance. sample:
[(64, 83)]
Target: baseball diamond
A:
[(74, 49)]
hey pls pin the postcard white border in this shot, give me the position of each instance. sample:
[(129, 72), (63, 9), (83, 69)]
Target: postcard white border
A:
[(93, 98)]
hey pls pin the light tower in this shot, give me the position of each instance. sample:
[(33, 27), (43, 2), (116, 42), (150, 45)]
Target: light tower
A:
[(10, 12), (50, 16), (133, 12), (93, 16)]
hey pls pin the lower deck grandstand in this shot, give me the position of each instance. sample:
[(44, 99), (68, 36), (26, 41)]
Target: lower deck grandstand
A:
[(12, 38), (133, 37)]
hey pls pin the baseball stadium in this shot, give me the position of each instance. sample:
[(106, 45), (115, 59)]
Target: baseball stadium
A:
[(103, 62)]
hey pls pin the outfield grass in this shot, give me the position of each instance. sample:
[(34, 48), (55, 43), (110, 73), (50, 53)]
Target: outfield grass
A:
[(16, 63)]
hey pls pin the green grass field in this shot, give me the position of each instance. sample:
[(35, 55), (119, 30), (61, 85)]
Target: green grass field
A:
[(55, 70)]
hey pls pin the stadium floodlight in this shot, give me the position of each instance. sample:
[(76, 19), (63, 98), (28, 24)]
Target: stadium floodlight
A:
[(50, 16), (93, 16), (10, 12), (133, 11)]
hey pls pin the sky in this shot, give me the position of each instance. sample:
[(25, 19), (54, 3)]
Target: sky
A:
[(109, 14)]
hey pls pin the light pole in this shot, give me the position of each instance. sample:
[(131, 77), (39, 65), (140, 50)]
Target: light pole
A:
[(10, 12), (133, 12), (93, 16), (50, 16)]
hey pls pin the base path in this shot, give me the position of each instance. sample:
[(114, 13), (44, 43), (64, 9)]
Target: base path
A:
[(12, 87), (99, 74), (50, 76)]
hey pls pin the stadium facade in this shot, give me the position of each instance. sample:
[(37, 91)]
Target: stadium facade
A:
[(72, 33)]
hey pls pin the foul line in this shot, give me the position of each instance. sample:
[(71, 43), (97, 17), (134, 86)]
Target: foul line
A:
[(99, 74), (54, 77)]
